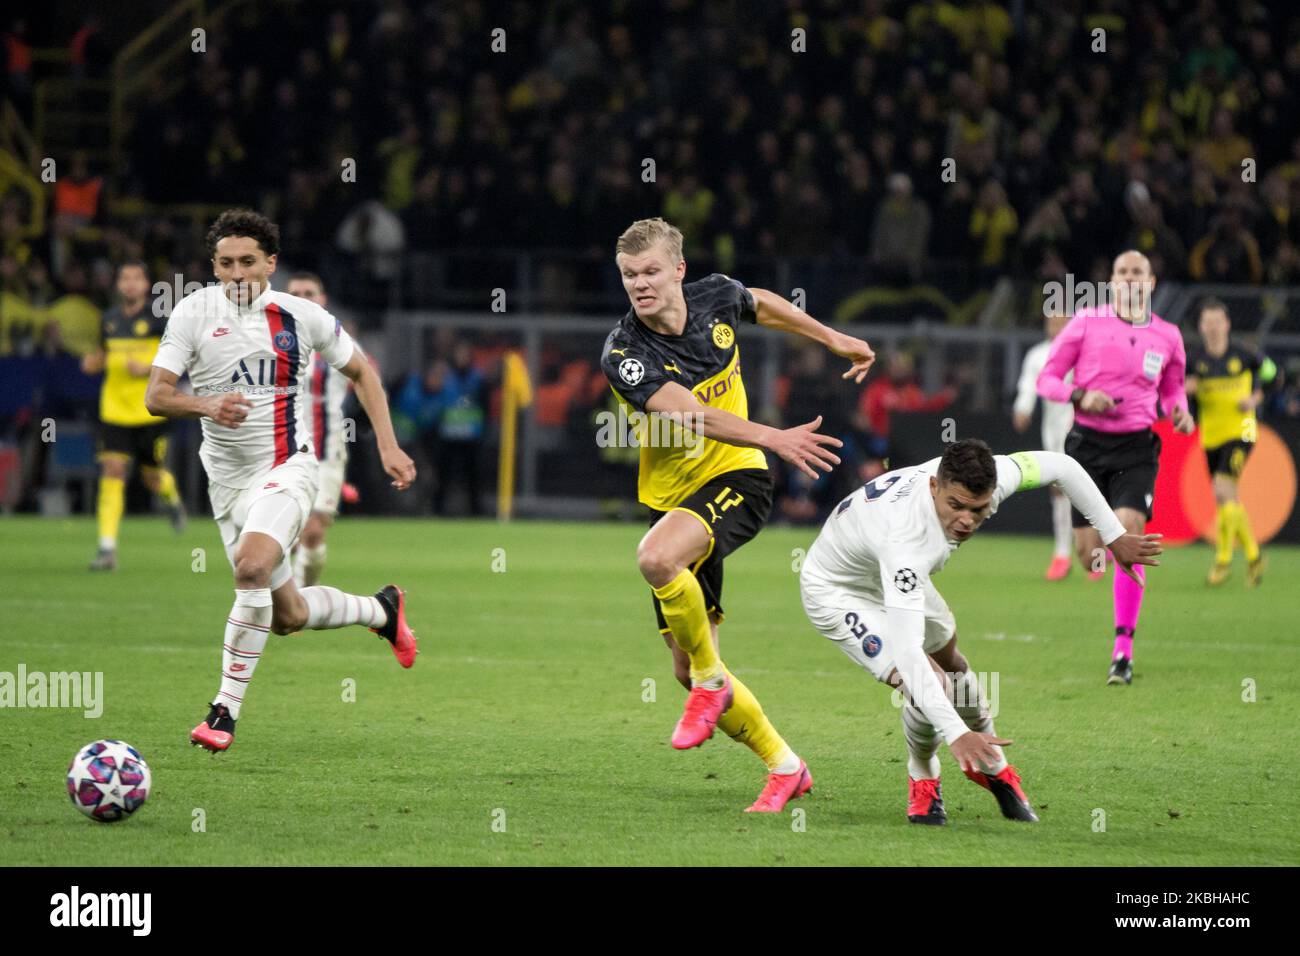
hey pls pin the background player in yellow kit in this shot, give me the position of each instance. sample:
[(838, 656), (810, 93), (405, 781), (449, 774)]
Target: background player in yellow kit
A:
[(1227, 381), (129, 337)]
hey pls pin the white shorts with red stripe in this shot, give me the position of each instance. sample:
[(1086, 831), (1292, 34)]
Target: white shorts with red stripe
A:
[(276, 504)]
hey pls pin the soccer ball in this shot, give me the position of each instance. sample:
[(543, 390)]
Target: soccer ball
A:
[(108, 780)]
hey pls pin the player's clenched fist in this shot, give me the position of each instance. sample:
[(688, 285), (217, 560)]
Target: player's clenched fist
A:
[(399, 467), (230, 409), (1096, 402)]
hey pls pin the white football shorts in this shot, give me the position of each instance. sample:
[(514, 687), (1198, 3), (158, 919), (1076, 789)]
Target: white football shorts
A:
[(859, 625), (276, 504)]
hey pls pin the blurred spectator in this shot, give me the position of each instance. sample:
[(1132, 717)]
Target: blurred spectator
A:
[(898, 391), (992, 226), (448, 404), (1228, 253), (901, 232)]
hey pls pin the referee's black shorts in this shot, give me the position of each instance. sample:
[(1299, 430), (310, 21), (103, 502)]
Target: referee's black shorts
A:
[(1123, 465), (734, 507)]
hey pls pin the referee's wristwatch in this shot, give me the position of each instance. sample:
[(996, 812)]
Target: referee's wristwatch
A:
[(1077, 396)]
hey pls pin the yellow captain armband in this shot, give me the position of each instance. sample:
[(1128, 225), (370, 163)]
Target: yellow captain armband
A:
[(1030, 473)]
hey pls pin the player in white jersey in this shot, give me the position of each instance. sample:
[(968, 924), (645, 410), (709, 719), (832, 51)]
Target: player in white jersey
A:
[(1057, 419), (245, 347), (866, 586), (328, 390)]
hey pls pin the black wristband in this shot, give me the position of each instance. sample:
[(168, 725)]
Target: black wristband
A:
[(1076, 396)]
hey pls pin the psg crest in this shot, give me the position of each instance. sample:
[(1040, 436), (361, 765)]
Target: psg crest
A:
[(285, 340), (871, 645), (905, 580)]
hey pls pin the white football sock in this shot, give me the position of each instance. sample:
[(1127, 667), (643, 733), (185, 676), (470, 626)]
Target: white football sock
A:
[(308, 564), (970, 706), (1062, 533), (329, 607), (247, 629), (789, 763), (922, 744)]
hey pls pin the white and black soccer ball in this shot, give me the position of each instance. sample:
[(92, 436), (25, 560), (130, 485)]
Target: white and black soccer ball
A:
[(631, 371), (905, 580), (108, 780)]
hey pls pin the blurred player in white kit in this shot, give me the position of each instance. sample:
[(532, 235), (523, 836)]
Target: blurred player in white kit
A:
[(1058, 417)]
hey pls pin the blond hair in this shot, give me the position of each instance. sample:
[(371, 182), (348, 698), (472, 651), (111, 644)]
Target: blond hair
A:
[(644, 233)]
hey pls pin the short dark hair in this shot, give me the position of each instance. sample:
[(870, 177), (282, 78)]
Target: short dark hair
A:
[(244, 222), (1209, 304), (132, 264), (308, 277), (969, 463)]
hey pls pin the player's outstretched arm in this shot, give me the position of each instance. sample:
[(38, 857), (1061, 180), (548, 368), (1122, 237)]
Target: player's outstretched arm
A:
[(1039, 468), (778, 313), (801, 446), (922, 684), (162, 398), (370, 393)]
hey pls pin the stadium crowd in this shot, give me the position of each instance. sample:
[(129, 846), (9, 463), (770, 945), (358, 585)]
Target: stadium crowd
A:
[(800, 128)]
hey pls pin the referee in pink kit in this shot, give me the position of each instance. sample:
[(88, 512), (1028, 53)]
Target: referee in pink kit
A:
[(1129, 366)]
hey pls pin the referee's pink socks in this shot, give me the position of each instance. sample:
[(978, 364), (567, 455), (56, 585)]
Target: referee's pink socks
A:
[(1128, 604)]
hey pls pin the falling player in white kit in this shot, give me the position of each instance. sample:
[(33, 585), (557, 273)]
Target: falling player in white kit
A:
[(1057, 419), (328, 390), (244, 346), (866, 586)]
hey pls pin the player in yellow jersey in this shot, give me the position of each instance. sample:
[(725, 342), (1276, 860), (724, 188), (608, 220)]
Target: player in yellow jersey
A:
[(129, 337), (675, 354), (1226, 381)]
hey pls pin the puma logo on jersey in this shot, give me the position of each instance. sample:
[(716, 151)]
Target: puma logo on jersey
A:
[(219, 332), (672, 367), (618, 351)]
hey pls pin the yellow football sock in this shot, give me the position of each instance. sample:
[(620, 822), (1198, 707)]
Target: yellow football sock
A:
[(112, 502), (745, 723), (167, 487), (682, 602), (1244, 533), (1224, 531)]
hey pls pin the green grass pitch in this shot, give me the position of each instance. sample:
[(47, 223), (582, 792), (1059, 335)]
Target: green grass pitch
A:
[(523, 736)]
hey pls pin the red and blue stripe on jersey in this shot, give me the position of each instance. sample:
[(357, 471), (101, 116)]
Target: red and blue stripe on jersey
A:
[(287, 361), (320, 407)]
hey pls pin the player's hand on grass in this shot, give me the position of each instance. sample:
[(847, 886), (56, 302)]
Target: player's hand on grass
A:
[(1096, 402), (1131, 549), (1183, 421), (973, 749), (856, 351), (230, 409), (399, 467), (802, 447)]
